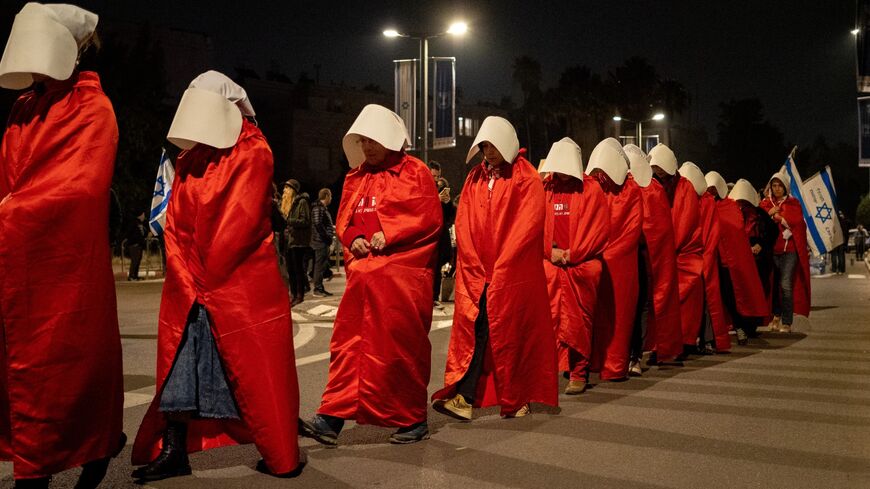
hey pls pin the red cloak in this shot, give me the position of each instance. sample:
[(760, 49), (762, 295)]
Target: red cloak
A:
[(573, 288), (380, 339), (61, 386), (791, 212), (664, 335), (736, 255), (617, 304), (710, 234), (758, 228), (521, 358), (686, 215), (219, 253)]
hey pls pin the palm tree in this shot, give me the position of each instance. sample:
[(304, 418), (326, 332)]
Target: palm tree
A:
[(527, 74)]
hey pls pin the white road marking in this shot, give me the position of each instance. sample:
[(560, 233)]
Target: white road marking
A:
[(132, 399), (856, 275)]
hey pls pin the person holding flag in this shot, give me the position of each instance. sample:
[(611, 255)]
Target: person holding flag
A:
[(790, 256), (225, 312), (575, 235)]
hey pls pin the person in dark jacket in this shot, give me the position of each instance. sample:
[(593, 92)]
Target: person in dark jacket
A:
[(322, 235), (297, 233), (135, 237), (445, 248)]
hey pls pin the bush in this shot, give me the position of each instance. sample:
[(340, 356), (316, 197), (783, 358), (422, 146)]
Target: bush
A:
[(862, 214)]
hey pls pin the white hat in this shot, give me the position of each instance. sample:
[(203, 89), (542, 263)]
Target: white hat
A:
[(714, 179), (378, 123), (565, 157), (694, 174), (743, 190), (44, 40), (501, 134), (662, 157), (639, 165), (210, 113), (609, 157), (783, 177)]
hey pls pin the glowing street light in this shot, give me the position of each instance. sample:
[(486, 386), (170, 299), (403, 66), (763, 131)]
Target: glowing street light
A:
[(457, 28), (391, 33), (658, 116), (855, 31), (617, 118)]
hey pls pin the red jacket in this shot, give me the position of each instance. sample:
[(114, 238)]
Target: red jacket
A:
[(573, 288), (61, 391), (521, 360), (219, 253), (380, 338), (617, 304)]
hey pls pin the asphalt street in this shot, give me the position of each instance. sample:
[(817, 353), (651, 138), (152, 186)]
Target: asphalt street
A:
[(788, 410)]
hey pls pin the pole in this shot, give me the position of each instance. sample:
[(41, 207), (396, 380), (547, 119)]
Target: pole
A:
[(425, 61), (639, 135)]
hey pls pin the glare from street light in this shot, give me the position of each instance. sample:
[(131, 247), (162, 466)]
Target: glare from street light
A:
[(391, 33), (855, 31), (658, 117), (458, 28), (617, 118)]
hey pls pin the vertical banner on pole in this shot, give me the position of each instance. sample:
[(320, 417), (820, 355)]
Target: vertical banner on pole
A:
[(406, 96), (863, 45), (444, 106), (864, 132)]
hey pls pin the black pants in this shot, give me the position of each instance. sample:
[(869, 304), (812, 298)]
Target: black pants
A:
[(468, 385), (296, 270), (838, 259), (135, 259), (749, 325), (321, 263), (638, 334)]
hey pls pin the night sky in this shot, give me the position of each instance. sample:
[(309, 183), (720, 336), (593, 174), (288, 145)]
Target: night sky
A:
[(798, 57)]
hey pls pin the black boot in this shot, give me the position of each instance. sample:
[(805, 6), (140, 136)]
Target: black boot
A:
[(172, 461), (40, 483), (93, 472)]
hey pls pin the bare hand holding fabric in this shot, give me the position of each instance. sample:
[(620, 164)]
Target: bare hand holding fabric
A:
[(360, 247), (378, 241)]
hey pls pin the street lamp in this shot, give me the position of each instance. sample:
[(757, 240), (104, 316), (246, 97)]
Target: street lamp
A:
[(855, 31), (455, 29), (639, 125)]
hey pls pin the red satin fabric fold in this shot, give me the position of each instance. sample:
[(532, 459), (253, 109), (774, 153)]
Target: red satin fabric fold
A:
[(664, 334), (61, 385), (710, 234), (736, 255), (617, 295), (573, 288), (689, 246), (380, 353), (220, 253), (522, 355)]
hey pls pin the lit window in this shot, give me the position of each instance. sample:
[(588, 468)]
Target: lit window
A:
[(461, 126)]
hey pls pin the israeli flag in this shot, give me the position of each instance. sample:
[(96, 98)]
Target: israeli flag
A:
[(818, 199), (162, 192)]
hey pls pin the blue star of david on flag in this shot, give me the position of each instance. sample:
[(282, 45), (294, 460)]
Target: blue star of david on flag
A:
[(823, 212), (162, 185)]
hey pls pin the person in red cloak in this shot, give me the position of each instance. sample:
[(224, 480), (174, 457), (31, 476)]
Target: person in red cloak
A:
[(657, 319), (575, 235), (225, 312), (713, 332), (61, 388), (761, 231), (618, 292), (742, 293), (502, 347), (689, 247), (389, 222), (790, 256)]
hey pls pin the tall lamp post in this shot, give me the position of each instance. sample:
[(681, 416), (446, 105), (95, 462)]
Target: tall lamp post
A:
[(455, 29), (639, 128)]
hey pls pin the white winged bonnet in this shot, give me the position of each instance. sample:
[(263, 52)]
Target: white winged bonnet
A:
[(210, 113), (378, 123), (565, 157), (694, 174), (499, 132), (609, 157), (743, 190), (714, 179), (45, 40), (638, 165), (664, 158)]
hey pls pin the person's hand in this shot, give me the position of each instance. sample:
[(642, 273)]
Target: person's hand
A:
[(360, 247), (773, 211), (378, 241), (756, 249), (444, 196), (559, 257)]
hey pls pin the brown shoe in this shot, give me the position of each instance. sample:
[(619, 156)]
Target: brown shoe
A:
[(785, 328), (519, 413), (457, 407), (575, 387)]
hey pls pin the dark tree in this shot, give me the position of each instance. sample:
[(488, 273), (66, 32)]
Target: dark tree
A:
[(748, 145)]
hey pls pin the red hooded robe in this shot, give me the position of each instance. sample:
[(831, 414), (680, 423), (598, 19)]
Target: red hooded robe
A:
[(617, 304), (380, 338), (506, 224), (791, 212), (573, 288), (712, 293), (664, 335), (689, 246), (219, 253), (61, 386), (736, 255)]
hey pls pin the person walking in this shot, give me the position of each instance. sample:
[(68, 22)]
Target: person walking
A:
[(860, 242), (62, 386), (445, 246), (297, 214), (135, 236), (322, 236)]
